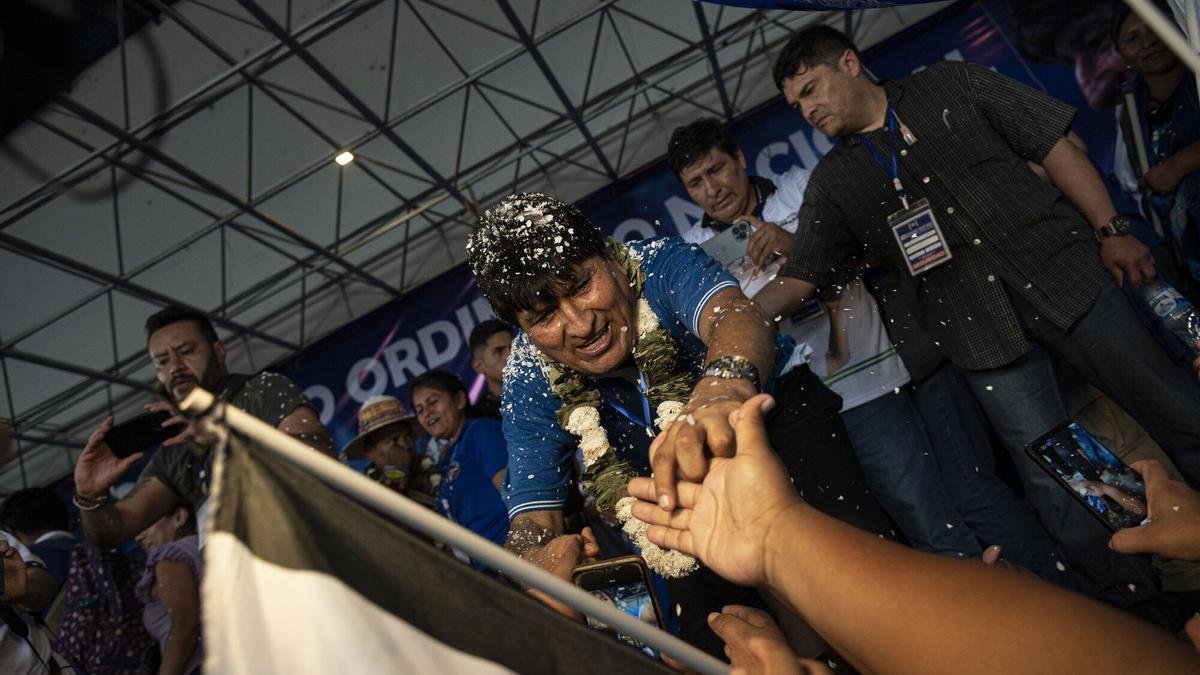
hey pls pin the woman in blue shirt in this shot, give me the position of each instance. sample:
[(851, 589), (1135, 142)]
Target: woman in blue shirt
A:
[(473, 464), (1167, 112)]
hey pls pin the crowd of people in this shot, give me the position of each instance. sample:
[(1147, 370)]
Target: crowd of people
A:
[(818, 446)]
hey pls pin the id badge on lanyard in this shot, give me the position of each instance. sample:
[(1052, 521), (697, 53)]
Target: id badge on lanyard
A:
[(920, 238), (914, 226)]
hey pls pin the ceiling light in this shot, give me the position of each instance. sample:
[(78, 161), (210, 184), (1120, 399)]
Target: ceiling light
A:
[(344, 158)]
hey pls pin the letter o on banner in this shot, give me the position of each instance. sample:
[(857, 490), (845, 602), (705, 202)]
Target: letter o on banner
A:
[(322, 399), (366, 370), (639, 227)]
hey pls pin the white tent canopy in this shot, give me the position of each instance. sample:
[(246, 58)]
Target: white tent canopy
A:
[(194, 163)]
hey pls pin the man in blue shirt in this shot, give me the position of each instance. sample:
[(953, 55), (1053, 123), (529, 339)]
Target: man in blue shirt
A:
[(548, 270)]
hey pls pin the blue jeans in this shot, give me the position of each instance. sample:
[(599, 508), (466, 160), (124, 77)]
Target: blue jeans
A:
[(1118, 355), (894, 450), (958, 435)]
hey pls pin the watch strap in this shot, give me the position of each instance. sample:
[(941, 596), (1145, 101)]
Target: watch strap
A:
[(732, 366)]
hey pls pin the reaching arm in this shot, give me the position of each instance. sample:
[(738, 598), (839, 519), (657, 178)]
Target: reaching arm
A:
[(1165, 176), (112, 524), (784, 296), (890, 609), (1072, 172), (730, 325), (117, 522), (537, 536), (176, 587)]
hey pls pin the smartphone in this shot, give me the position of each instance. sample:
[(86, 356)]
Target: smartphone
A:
[(141, 433), (730, 244), (1110, 490), (624, 582)]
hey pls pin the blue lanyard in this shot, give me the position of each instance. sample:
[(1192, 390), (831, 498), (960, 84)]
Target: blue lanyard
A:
[(895, 174), (648, 422)]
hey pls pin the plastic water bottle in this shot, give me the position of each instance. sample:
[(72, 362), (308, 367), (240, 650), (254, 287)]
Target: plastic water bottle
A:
[(1174, 310)]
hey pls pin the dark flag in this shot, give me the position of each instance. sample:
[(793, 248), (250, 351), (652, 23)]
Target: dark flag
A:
[(301, 578)]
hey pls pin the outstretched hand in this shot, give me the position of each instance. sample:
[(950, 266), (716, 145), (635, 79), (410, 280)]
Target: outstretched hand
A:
[(726, 520), (1173, 530), (559, 557), (682, 449), (754, 644), (98, 467)]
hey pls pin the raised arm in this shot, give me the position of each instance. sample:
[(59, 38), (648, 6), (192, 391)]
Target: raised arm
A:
[(887, 608), (730, 325), (109, 524)]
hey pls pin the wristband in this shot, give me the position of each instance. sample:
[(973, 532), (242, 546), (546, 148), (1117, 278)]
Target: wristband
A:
[(89, 503)]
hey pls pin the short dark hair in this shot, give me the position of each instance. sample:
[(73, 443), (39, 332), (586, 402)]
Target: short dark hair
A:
[(176, 313), (441, 380), (33, 511), (692, 141), (811, 47), (527, 249), (484, 331)]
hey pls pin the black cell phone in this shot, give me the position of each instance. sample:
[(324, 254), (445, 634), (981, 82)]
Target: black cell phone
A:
[(1110, 489), (625, 583), (141, 433)]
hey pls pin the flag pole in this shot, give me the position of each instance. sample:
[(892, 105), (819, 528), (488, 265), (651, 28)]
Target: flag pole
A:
[(203, 405)]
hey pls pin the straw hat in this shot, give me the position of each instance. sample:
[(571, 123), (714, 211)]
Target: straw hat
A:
[(378, 413)]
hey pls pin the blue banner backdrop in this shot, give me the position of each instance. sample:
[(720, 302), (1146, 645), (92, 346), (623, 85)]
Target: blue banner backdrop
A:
[(383, 351)]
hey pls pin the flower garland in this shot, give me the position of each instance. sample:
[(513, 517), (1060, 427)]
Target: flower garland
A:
[(606, 474)]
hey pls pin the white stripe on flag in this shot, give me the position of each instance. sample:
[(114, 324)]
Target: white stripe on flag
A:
[(260, 617)]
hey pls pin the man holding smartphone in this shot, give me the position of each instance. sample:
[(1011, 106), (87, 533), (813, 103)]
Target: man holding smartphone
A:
[(186, 353)]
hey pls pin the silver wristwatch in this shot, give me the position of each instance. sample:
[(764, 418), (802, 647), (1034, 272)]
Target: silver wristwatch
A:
[(733, 367)]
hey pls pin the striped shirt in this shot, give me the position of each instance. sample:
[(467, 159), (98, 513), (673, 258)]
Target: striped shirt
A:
[(1008, 231)]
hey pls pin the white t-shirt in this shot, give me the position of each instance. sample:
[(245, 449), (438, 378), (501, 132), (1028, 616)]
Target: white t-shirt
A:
[(873, 368), (16, 655)]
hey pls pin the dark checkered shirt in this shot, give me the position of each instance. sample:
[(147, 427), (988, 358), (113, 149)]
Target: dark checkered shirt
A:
[(1008, 231)]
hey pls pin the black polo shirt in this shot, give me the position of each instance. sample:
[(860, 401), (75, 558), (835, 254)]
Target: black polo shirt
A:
[(1008, 231)]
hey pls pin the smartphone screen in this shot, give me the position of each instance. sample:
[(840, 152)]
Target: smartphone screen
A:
[(625, 586), (1113, 492)]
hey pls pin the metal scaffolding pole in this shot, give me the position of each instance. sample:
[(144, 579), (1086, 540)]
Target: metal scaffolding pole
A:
[(572, 111), (263, 17), (718, 78), (100, 276), (216, 190), (193, 102)]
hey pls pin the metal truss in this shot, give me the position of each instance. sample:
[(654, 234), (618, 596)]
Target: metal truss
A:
[(581, 135)]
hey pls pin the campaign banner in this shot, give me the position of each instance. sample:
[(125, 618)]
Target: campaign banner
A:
[(384, 350)]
